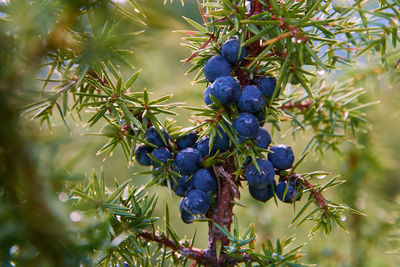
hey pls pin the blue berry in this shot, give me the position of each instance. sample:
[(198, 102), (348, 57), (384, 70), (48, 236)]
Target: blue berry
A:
[(185, 215), (246, 124), (261, 179), (251, 99), (141, 155), (182, 185), (260, 117), (162, 154), (203, 146), (282, 157), (124, 264), (221, 141), (207, 98), (197, 202), (226, 89), (205, 180), (154, 138), (267, 85), (188, 140), (263, 194), (216, 67), (293, 192), (262, 138), (230, 50), (188, 160)]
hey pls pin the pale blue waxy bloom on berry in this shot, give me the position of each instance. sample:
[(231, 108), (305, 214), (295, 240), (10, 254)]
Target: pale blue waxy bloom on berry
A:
[(188, 160), (188, 140), (267, 85), (262, 138), (251, 99), (197, 202), (207, 98), (162, 154), (230, 51), (264, 177), (216, 67), (154, 138), (141, 155), (281, 157), (226, 90), (246, 124), (294, 190), (263, 194), (205, 180), (182, 186), (185, 215)]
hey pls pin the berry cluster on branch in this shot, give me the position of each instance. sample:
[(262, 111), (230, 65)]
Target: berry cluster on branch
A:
[(264, 62)]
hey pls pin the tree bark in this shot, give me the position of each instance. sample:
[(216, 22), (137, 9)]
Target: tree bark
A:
[(222, 215)]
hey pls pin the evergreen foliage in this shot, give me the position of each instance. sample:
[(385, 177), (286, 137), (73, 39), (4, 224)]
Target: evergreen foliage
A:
[(50, 219)]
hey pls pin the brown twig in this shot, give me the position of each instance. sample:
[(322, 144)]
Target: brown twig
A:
[(222, 212), (199, 256), (253, 49), (300, 105), (255, 7), (317, 196), (206, 257), (103, 81), (193, 253), (276, 39), (222, 215)]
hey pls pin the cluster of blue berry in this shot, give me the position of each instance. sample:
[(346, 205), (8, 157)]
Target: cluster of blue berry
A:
[(250, 101), (262, 184), (195, 184), (184, 155)]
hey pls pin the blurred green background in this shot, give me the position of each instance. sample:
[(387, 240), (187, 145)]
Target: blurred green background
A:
[(371, 167)]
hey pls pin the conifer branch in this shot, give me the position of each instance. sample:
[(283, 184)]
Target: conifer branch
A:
[(300, 105), (192, 253)]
